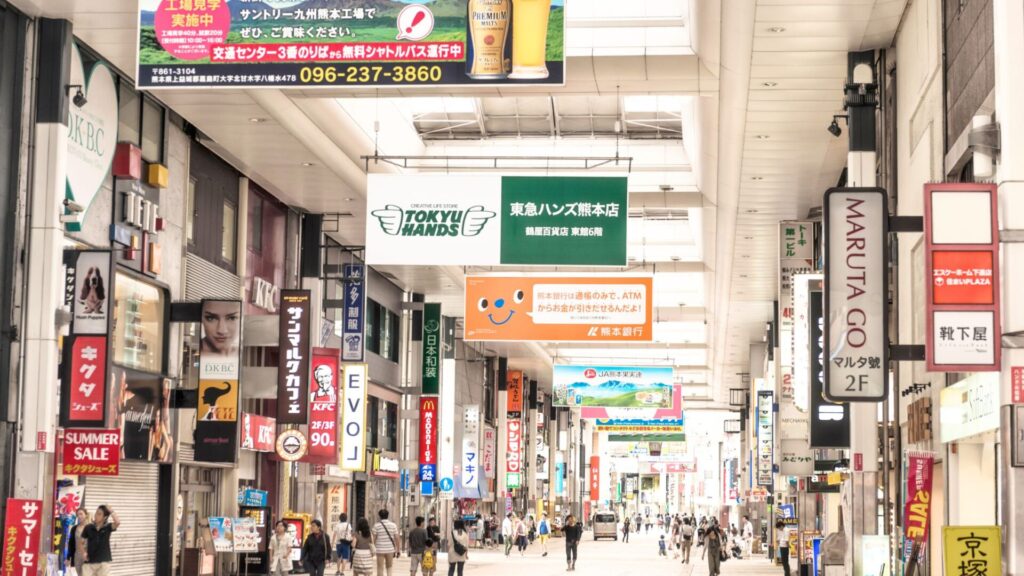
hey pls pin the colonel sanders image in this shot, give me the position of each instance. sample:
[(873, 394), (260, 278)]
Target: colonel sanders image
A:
[(325, 392)]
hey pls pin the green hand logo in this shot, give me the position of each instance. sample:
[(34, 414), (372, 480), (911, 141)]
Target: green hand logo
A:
[(475, 219), (390, 219)]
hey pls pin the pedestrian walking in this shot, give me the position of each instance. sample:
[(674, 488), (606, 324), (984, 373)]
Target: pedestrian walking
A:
[(429, 562), (662, 547), (507, 528), (481, 531), (686, 532), (573, 535), (521, 536), (458, 549), (713, 550), (748, 536), (316, 550), (417, 546), (363, 552), (385, 541), (434, 531), (95, 542), (342, 534), (74, 555), (782, 542), (532, 525), (544, 532), (492, 531), (625, 530), (281, 544)]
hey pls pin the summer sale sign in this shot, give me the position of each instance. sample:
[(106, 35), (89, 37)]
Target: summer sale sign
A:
[(918, 508)]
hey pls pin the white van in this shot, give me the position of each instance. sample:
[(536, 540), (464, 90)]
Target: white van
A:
[(606, 525)]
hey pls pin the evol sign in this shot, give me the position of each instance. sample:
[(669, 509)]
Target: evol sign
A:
[(92, 452), (856, 294), (353, 418)]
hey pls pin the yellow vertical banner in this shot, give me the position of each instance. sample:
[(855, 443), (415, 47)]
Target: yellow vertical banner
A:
[(972, 550)]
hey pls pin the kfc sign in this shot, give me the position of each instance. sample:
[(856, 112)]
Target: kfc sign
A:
[(428, 438), (514, 446), (86, 377), (323, 407), (92, 452), (258, 432)]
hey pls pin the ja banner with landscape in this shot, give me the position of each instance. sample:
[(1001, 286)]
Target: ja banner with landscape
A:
[(308, 43), (613, 386), (490, 220)]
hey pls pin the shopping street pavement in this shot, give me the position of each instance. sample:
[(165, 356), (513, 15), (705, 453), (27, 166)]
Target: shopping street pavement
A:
[(639, 557)]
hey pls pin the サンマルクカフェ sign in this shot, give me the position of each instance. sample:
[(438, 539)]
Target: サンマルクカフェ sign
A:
[(496, 220), (856, 294), (293, 366)]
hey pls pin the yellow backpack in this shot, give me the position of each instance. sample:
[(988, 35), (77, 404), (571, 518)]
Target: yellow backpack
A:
[(429, 561)]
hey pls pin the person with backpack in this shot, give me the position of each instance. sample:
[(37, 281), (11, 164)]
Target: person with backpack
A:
[(429, 562), (458, 549), (316, 549), (343, 542), (544, 532)]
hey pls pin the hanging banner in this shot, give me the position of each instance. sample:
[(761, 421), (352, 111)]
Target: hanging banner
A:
[(353, 322), (765, 438), (86, 283), (972, 550), (323, 407), (651, 415), (23, 527), (490, 451), (446, 427), (613, 386), (91, 452), (682, 467), (559, 309), (513, 452), (856, 294), (796, 256), (258, 432), (350, 44), (830, 423), (353, 418), (961, 229), (917, 510), (84, 382), (595, 478), (293, 365), (431, 349), (640, 426), (462, 220), (515, 394), (428, 438), (470, 470), (140, 409), (220, 355)]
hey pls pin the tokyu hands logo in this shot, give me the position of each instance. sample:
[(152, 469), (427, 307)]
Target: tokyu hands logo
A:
[(395, 221)]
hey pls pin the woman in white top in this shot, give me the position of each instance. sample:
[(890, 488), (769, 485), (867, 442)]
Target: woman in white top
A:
[(458, 549), (342, 535), (281, 544)]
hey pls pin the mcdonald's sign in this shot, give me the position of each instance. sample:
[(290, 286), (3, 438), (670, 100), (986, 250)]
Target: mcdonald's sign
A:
[(428, 438)]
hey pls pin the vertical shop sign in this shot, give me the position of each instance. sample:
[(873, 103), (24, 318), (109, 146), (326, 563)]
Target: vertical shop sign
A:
[(595, 478), (431, 348), (513, 446), (85, 382), (961, 229), (323, 407), (972, 550), (216, 435), (765, 438), (856, 294), (515, 394), (87, 284), (796, 256), (353, 418), (1017, 384), (23, 528), (446, 425), (354, 313), (918, 507), (258, 432), (830, 423), (470, 446), (428, 438), (91, 452), (490, 447), (293, 373)]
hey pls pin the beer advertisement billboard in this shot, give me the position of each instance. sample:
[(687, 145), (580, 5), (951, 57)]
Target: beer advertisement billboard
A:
[(296, 43)]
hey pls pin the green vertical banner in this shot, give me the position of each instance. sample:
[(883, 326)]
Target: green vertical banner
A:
[(431, 349), (563, 221)]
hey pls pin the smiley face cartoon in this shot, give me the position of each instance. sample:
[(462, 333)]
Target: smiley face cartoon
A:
[(496, 310)]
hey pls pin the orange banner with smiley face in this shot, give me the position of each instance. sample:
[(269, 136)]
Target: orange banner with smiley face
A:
[(559, 309)]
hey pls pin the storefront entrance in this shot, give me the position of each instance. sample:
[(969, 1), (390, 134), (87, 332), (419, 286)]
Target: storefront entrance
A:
[(197, 501)]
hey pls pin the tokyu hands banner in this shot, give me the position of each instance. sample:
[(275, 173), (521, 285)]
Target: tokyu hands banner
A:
[(495, 220)]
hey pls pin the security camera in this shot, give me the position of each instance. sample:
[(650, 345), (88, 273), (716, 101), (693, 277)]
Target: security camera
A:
[(79, 99), (834, 128), (73, 207)]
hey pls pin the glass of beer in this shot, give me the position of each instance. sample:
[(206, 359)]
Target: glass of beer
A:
[(530, 38)]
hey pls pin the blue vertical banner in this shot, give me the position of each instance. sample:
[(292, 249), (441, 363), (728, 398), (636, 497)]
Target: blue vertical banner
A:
[(559, 479), (353, 322)]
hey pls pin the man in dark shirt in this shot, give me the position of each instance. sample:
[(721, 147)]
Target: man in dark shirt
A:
[(434, 531), (96, 542), (417, 544)]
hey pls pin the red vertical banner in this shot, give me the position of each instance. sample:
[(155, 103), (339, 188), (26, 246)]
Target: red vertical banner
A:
[(428, 438), (87, 376), (323, 407), (595, 477), (515, 394), (22, 530), (918, 508)]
